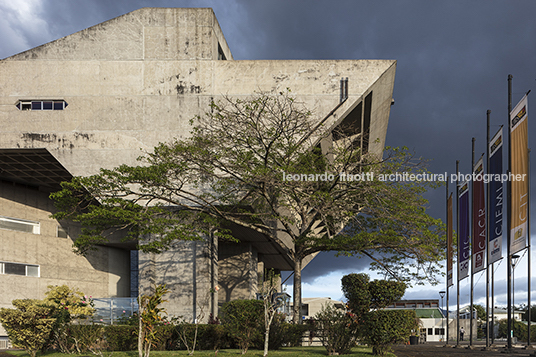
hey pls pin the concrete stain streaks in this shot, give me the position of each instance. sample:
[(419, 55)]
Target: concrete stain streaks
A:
[(30, 140)]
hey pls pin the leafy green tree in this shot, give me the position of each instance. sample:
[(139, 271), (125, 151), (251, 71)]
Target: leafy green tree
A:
[(363, 295), (480, 312), (29, 325), (243, 320), (238, 168)]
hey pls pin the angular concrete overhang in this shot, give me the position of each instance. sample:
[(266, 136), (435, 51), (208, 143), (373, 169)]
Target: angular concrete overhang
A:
[(32, 167)]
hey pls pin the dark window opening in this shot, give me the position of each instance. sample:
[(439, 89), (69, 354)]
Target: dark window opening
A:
[(366, 121), (14, 269), (221, 55), (351, 125)]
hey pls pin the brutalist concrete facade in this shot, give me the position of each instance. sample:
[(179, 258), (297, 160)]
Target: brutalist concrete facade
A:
[(120, 88)]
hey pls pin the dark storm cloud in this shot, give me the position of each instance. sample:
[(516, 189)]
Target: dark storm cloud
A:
[(453, 58)]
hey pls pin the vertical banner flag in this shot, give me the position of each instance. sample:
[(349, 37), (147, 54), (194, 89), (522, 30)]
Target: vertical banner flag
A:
[(519, 178), (479, 218), (450, 281), (496, 188), (464, 249)]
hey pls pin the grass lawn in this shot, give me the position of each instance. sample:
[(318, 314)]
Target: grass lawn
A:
[(283, 352)]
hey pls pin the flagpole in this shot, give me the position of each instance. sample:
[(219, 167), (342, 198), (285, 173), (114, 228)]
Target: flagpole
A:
[(448, 259), (488, 113), (529, 315), (459, 257), (509, 220), (471, 197)]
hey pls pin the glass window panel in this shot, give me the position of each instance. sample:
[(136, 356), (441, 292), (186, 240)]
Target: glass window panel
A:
[(47, 105), (15, 269), (26, 105), (58, 105), (32, 270), (19, 225), (36, 105)]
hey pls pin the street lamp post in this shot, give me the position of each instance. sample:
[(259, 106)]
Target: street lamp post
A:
[(442, 294), (515, 258)]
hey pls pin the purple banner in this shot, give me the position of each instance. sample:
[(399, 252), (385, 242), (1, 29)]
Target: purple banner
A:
[(464, 246)]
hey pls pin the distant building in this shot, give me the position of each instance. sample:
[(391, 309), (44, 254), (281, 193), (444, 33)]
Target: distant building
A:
[(97, 98), (312, 306)]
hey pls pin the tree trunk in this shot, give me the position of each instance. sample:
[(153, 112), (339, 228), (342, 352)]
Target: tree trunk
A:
[(296, 308), (140, 336), (266, 339)]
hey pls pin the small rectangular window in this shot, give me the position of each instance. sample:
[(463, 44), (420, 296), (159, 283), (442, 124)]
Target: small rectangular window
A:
[(32, 270), (20, 225), (25, 105), (62, 232), (47, 105), (19, 269), (430, 331), (14, 269), (37, 105), (58, 105)]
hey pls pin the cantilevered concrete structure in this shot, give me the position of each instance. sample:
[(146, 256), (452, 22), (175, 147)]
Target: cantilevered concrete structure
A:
[(99, 98)]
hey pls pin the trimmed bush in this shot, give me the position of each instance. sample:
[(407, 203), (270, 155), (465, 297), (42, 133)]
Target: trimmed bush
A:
[(385, 327), (121, 337), (336, 329), (83, 338), (243, 320), (29, 325)]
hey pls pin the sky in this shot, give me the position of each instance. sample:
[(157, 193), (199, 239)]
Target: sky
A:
[(453, 60)]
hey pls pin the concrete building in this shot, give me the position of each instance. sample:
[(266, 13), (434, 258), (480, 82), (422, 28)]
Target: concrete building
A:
[(312, 306), (98, 98)]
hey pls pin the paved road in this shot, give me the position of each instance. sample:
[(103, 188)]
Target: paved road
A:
[(439, 350)]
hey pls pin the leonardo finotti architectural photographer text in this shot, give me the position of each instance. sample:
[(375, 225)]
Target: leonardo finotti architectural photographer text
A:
[(403, 177)]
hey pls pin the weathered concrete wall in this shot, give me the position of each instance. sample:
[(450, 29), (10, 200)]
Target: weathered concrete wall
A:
[(186, 271), (238, 275), (103, 273)]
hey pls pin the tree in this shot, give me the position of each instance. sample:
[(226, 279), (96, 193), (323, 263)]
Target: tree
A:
[(271, 302), (480, 312), (366, 300), (263, 164)]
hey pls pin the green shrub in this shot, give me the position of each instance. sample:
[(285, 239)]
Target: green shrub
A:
[(336, 329), (209, 337), (83, 338), (243, 320), (293, 334), (385, 327), (121, 337)]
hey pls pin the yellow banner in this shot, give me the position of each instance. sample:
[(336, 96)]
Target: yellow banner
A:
[(519, 199)]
